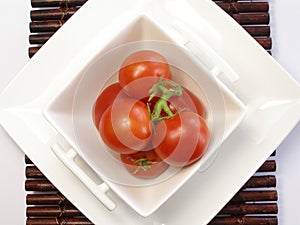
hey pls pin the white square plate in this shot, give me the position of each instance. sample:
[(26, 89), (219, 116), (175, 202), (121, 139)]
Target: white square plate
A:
[(272, 110)]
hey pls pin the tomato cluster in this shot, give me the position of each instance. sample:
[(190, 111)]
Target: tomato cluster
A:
[(149, 119)]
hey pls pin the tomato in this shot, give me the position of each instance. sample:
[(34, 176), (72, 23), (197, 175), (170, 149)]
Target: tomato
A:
[(187, 101), (181, 140), (140, 65), (125, 126), (105, 99), (144, 164)]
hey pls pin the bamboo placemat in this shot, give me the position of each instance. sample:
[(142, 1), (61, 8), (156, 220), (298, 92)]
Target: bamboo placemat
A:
[(255, 203)]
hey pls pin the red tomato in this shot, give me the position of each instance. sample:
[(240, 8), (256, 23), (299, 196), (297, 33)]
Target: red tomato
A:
[(105, 99), (144, 164), (181, 140), (125, 126), (187, 101), (142, 64)]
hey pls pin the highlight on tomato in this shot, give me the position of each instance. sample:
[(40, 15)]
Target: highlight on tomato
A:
[(125, 126), (181, 140), (106, 99), (139, 65), (189, 102), (144, 164)]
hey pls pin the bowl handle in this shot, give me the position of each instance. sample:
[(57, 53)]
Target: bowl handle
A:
[(68, 159)]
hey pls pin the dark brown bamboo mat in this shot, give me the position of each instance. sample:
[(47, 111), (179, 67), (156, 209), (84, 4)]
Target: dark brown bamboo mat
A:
[(256, 202)]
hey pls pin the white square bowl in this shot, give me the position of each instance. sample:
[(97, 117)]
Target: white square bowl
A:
[(70, 112)]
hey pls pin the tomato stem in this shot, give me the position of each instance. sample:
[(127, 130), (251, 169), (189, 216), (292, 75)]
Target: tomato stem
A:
[(167, 89), (144, 164)]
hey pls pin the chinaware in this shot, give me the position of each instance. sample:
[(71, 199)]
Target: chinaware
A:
[(271, 112)]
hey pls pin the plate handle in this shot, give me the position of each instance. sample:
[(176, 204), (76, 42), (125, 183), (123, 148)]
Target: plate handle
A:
[(68, 159), (205, 54)]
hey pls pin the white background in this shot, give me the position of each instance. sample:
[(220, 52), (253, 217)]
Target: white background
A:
[(14, 20)]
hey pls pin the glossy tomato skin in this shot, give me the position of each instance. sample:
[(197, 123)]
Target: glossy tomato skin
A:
[(106, 99), (188, 102), (141, 65), (181, 140), (125, 126), (144, 164)]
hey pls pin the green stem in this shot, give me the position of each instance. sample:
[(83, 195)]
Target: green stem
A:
[(167, 89), (144, 164)]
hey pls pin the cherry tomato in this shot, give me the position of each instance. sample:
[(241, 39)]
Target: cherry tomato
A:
[(181, 140), (140, 65), (105, 99), (188, 102), (125, 126), (144, 164)]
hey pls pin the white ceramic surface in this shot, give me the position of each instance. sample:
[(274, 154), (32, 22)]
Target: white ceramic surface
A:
[(88, 204), (224, 112)]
